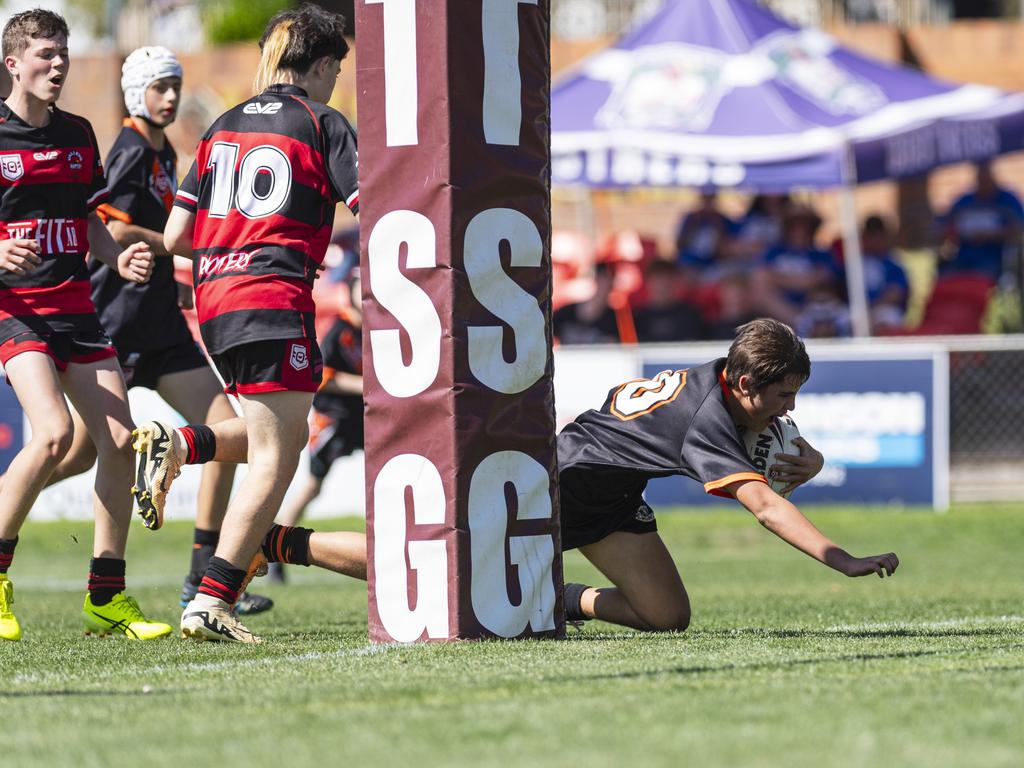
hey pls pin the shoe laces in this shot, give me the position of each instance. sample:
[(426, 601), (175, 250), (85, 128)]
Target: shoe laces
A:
[(131, 608)]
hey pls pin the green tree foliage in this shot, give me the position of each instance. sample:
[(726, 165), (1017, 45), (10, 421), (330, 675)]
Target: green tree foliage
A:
[(232, 21)]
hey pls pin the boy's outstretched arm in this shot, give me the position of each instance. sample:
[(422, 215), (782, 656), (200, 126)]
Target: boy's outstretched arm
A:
[(788, 523)]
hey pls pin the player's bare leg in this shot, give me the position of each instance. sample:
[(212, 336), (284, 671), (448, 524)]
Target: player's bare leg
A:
[(277, 430), (99, 395), (648, 592), (343, 552), (81, 456), (197, 395), (309, 491)]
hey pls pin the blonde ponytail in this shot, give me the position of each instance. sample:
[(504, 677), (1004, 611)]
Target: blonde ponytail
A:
[(274, 47)]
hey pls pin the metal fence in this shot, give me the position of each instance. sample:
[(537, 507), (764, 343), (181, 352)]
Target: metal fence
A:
[(986, 418)]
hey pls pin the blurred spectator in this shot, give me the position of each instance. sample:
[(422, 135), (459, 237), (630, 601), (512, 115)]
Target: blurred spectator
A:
[(885, 280), (666, 316), (732, 307), (592, 321), (825, 314), (759, 229), (795, 268), (980, 228), (703, 235)]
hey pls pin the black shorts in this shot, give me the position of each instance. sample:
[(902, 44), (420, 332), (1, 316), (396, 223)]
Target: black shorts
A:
[(588, 513), (278, 365), (62, 347), (144, 369), (329, 440)]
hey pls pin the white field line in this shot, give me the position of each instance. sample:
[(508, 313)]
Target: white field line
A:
[(34, 678), (962, 621)]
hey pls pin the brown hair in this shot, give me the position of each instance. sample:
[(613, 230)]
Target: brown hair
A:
[(36, 23), (295, 39), (767, 351)]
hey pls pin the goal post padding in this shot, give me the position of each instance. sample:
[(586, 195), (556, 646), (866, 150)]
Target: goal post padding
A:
[(455, 230)]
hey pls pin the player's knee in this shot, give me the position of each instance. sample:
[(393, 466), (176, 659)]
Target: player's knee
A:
[(674, 616), (54, 440)]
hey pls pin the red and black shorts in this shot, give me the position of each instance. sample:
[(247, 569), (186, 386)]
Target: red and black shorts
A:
[(78, 347), (278, 365), (144, 369)]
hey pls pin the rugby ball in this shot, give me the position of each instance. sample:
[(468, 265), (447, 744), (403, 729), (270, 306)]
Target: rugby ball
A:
[(763, 447)]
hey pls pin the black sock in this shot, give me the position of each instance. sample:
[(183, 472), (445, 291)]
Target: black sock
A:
[(222, 580), (204, 544), (287, 544), (573, 602), (106, 579), (7, 553), (200, 443)]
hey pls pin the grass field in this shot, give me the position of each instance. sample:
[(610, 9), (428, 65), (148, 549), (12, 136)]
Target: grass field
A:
[(786, 663)]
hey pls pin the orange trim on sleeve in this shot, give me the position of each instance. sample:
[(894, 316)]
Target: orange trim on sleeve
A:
[(717, 485), (107, 212)]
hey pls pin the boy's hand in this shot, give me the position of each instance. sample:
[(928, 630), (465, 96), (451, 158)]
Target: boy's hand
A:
[(797, 470), (883, 565), (19, 255), (135, 263)]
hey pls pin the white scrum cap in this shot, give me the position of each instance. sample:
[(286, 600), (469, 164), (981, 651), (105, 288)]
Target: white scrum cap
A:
[(142, 68)]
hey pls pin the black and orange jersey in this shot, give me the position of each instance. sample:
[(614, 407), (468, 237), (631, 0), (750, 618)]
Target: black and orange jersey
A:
[(141, 182), (267, 176), (676, 423), (51, 178), (342, 350)]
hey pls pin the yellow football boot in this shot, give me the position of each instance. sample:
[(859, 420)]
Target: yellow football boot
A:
[(122, 614), (10, 629)]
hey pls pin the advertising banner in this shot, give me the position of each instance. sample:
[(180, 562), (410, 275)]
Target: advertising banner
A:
[(879, 416)]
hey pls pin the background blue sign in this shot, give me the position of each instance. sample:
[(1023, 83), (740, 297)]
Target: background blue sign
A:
[(12, 436), (871, 419)]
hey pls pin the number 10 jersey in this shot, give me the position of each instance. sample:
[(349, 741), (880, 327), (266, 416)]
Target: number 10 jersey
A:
[(263, 187)]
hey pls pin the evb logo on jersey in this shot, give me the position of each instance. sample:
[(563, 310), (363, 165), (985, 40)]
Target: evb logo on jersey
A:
[(255, 108), (11, 167), (299, 358)]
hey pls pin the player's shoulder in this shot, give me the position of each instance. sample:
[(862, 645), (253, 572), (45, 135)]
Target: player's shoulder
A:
[(69, 121), (129, 141)]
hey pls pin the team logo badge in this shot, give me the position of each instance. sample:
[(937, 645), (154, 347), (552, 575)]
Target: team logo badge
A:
[(299, 359), (75, 160), (644, 514), (11, 167)]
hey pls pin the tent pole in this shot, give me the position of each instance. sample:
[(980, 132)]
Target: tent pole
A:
[(852, 254), (854, 260)]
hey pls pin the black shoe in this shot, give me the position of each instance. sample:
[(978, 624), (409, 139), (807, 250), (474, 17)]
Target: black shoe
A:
[(249, 604), (275, 573)]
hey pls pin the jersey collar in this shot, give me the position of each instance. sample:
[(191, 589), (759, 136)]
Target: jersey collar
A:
[(287, 89)]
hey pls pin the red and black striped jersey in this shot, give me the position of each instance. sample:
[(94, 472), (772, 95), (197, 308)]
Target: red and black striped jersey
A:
[(141, 181), (676, 423), (51, 178), (266, 179)]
